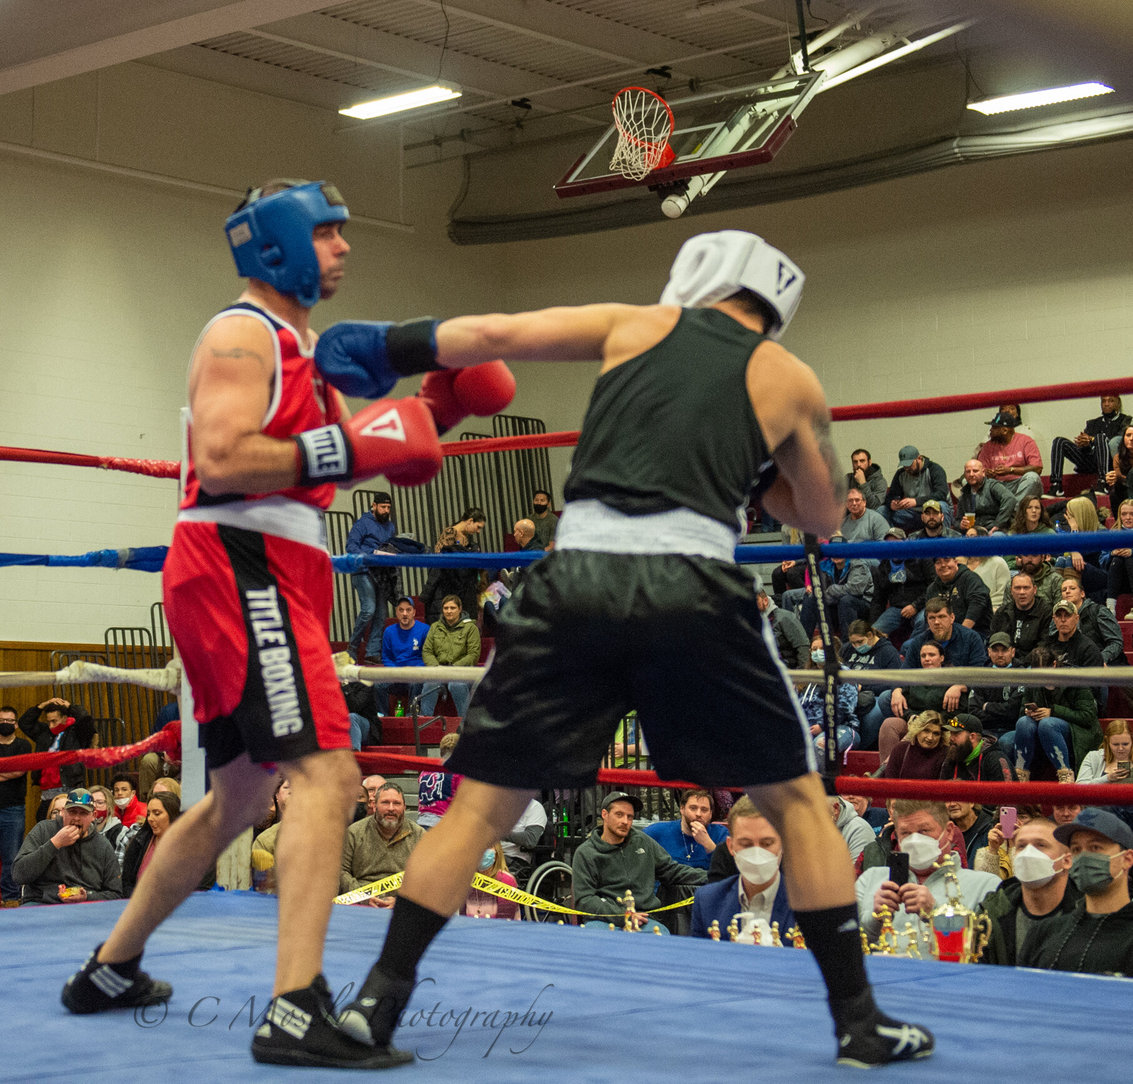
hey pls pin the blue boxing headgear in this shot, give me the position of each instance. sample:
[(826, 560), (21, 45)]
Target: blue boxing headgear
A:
[(270, 236)]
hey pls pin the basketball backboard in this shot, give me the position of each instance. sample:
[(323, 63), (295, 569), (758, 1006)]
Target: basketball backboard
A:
[(712, 133)]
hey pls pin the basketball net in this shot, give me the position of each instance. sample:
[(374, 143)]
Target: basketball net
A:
[(644, 122)]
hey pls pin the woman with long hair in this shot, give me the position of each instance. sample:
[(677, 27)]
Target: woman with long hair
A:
[(1110, 763), (104, 820), (920, 753), (461, 537), (1117, 479), (1119, 574), (481, 904), (1082, 515), (161, 811), (1031, 518), (920, 698)]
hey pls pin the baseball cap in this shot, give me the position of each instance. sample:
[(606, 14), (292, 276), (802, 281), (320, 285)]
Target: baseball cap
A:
[(621, 796), (896, 532), (1065, 607), (404, 598), (934, 505), (907, 455), (382, 497), (999, 639), (80, 799), (1097, 820), (963, 721), (1005, 418)]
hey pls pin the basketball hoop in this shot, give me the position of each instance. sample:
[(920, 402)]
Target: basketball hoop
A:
[(644, 122)]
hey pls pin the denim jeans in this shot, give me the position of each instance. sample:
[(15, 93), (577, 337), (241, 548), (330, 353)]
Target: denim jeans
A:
[(11, 836), (373, 609), (460, 691), (1053, 734)]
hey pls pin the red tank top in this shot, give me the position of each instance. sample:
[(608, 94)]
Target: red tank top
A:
[(300, 399)]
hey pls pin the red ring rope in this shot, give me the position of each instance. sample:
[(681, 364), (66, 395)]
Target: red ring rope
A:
[(897, 408)]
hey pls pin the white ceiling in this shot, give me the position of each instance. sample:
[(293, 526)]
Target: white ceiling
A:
[(537, 77), (561, 60)]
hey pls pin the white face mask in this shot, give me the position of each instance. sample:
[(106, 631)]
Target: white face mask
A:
[(121, 803), (1032, 867), (922, 850), (756, 865)]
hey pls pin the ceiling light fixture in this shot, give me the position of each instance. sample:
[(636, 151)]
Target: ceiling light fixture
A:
[(397, 103), (1035, 98)]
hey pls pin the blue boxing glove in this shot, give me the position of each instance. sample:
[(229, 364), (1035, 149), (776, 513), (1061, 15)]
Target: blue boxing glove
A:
[(366, 358)]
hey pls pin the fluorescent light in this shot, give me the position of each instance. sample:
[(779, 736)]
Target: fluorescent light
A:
[(1034, 98), (396, 103)]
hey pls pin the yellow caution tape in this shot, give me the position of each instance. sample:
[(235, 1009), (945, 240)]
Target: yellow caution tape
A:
[(495, 888)]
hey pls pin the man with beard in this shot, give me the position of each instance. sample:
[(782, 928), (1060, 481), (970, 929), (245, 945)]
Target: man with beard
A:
[(1024, 617), (1089, 451), (933, 525), (693, 837), (918, 479), (998, 706), (1035, 893), (618, 857), (376, 587), (545, 521), (1012, 458), (1097, 936), (868, 477), (1047, 579), (973, 755), (379, 846)]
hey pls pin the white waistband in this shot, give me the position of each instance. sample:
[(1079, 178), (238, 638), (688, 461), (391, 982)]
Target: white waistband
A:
[(278, 516), (592, 525)]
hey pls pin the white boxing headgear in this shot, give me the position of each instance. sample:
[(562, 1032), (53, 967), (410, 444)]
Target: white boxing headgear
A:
[(713, 266)]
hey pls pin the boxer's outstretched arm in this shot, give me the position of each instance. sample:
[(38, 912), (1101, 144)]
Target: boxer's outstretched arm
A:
[(557, 334)]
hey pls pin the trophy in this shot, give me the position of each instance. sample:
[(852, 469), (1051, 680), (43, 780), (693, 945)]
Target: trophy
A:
[(959, 934)]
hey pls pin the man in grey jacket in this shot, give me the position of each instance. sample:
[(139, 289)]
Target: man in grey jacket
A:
[(617, 857), (68, 862)]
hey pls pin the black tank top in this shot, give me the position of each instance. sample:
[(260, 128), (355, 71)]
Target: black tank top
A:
[(673, 427)]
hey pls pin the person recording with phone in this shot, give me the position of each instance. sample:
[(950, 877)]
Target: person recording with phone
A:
[(1110, 763), (926, 842)]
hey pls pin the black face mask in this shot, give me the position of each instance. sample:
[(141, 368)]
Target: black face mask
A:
[(539, 509), (7, 730)]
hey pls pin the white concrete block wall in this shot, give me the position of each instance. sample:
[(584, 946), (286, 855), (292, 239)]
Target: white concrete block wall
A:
[(1008, 273)]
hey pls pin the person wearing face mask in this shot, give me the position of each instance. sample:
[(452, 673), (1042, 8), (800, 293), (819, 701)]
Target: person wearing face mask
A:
[(756, 887), (482, 904), (1036, 893), (1097, 936), (106, 819), (923, 832), (545, 521), (812, 700), (131, 810), (13, 794)]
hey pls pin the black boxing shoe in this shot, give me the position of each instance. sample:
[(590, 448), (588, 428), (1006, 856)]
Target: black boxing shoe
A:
[(99, 987), (373, 1015), (868, 1038), (300, 1029)]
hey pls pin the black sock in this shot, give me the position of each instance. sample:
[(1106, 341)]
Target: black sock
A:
[(411, 931), (833, 935), (128, 969)]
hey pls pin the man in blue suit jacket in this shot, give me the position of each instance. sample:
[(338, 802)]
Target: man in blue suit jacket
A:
[(757, 887)]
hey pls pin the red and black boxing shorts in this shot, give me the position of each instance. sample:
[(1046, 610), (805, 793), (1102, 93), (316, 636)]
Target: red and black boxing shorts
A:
[(250, 614)]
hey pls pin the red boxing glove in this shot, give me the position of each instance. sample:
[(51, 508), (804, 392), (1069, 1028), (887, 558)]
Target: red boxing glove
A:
[(394, 437), (453, 394), (485, 389)]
